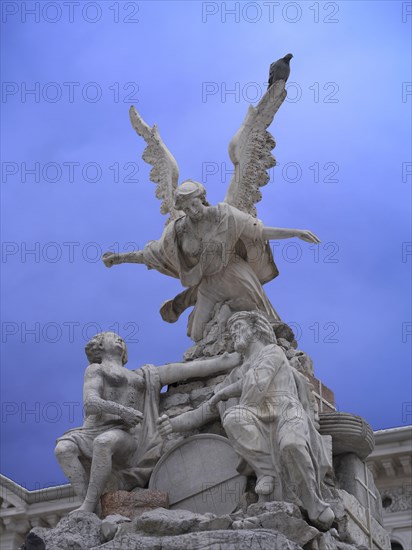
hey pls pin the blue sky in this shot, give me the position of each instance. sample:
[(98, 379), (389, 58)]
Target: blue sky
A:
[(74, 185)]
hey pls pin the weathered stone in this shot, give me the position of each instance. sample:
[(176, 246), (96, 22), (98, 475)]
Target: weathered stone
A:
[(162, 522), (111, 524), (290, 353), (282, 330), (284, 517), (247, 523), (274, 507), (247, 499), (184, 387), (285, 344), (33, 542), (277, 525), (325, 396), (174, 400), (176, 411), (109, 530), (293, 528), (217, 490), (206, 540), (354, 477), (302, 362), (200, 395), (77, 531), (329, 541), (133, 503), (357, 527)]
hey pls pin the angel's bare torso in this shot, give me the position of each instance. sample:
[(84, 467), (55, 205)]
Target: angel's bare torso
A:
[(193, 236)]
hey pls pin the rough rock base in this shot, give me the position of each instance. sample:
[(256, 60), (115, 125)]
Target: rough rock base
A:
[(268, 526), (134, 503)]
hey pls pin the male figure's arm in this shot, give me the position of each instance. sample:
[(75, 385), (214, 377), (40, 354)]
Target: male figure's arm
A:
[(234, 390), (187, 421), (202, 415), (174, 372), (95, 404)]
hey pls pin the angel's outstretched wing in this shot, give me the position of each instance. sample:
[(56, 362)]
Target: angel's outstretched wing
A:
[(250, 151), (165, 172)]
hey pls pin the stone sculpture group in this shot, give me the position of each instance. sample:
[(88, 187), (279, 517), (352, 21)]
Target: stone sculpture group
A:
[(242, 379)]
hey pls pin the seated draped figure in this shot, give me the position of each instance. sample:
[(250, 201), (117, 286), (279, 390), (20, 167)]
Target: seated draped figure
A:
[(272, 426)]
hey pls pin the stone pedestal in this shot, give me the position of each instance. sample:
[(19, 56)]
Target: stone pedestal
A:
[(357, 526), (354, 477)]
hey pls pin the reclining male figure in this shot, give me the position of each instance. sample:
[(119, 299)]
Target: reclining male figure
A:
[(119, 435)]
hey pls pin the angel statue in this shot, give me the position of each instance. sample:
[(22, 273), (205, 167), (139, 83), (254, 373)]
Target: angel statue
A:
[(221, 253)]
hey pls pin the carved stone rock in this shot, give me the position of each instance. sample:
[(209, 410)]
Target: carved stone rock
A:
[(279, 516), (111, 524), (274, 525), (206, 540), (133, 503), (77, 531), (163, 522)]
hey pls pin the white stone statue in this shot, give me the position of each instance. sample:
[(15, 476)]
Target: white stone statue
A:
[(220, 253), (271, 425), (119, 441)]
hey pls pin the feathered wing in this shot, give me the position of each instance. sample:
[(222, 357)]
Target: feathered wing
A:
[(165, 171), (250, 151)]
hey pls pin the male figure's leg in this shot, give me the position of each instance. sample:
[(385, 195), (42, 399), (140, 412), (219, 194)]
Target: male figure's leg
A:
[(67, 454), (250, 438), (107, 445), (297, 461)]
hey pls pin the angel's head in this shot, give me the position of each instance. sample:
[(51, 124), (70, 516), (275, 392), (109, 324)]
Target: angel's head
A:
[(190, 197)]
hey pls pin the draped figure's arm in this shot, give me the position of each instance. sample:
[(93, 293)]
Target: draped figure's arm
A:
[(277, 233), (112, 258)]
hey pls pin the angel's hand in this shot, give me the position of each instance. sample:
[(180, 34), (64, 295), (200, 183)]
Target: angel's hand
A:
[(307, 236), (110, 258)]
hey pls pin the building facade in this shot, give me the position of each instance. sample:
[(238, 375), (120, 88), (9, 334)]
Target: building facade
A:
[(390, 463)]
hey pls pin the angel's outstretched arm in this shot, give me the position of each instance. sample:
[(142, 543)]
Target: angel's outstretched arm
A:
[(277, 233), (112, 258)]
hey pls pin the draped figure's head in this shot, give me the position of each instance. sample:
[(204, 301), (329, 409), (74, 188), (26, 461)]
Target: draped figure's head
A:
[(249, 326), (190, 197), (105, 342)]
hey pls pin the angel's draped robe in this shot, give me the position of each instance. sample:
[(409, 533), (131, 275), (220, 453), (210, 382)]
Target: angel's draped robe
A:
[(231, 265)]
